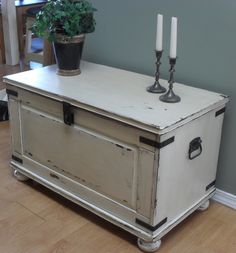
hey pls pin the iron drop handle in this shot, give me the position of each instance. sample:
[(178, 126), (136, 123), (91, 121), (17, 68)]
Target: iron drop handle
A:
[(195, 148)]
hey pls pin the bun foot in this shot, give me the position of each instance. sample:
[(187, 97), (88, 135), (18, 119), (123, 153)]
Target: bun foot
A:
[(148, 246), (204, 206), (19, 176)]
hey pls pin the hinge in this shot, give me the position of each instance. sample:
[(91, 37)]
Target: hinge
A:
[(68, 114), (220, 111), (156, 144), (17, 159), (12, 92), (149, 227)]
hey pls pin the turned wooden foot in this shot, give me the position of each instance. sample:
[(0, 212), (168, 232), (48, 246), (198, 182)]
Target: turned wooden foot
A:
[(19, 176), (149, 246), (204, 206)]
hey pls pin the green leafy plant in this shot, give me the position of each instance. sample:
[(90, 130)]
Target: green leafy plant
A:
[(66, 17)]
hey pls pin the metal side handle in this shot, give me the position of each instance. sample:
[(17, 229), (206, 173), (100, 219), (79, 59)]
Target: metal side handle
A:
[(195, 148)]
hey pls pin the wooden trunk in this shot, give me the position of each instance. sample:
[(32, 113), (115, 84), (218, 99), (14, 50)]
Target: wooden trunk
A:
[(102, 141)]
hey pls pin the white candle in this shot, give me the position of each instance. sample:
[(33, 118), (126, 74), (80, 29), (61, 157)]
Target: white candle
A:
[(173, 38), (159, 35)]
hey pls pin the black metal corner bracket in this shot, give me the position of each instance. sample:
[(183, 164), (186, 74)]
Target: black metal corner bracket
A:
[(221, 111), (17, 159), (68, 114), (210, 185), (156, 144), (149, 227), (12, 92)]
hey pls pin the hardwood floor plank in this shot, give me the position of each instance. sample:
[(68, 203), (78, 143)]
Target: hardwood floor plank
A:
[(41, 237), (95, 238), (15, 220)]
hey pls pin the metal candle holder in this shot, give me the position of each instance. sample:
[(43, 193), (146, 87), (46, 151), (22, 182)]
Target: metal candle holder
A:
[(169, 96), (156, 87)]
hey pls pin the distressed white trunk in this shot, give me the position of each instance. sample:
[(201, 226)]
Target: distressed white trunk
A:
[(125, 156)]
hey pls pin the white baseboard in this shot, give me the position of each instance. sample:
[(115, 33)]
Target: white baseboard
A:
[(225, 198)]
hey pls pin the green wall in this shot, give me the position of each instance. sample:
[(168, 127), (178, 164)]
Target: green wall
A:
[(125, 38)]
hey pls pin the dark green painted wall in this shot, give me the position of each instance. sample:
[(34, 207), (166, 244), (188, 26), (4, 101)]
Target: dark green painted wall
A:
[(125, 38)]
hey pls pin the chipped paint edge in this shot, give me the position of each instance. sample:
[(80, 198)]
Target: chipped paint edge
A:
[(130, 121)]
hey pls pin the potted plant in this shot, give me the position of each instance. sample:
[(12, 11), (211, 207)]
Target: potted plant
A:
[(65, 23)]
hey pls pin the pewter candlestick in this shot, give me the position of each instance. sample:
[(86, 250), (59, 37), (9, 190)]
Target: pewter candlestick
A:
[(156, 87), (169, 96)]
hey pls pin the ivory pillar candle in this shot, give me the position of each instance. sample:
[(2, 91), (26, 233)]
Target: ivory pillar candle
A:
[(159, 34), (173, 38)]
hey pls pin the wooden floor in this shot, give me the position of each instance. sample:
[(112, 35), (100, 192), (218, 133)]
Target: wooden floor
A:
[(36, 220)]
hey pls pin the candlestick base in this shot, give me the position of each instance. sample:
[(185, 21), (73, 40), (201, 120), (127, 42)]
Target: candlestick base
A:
[(156, 88), (170, 97)]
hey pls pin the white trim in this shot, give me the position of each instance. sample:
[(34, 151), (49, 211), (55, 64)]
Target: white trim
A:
[(9, 22), (225, 198)]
